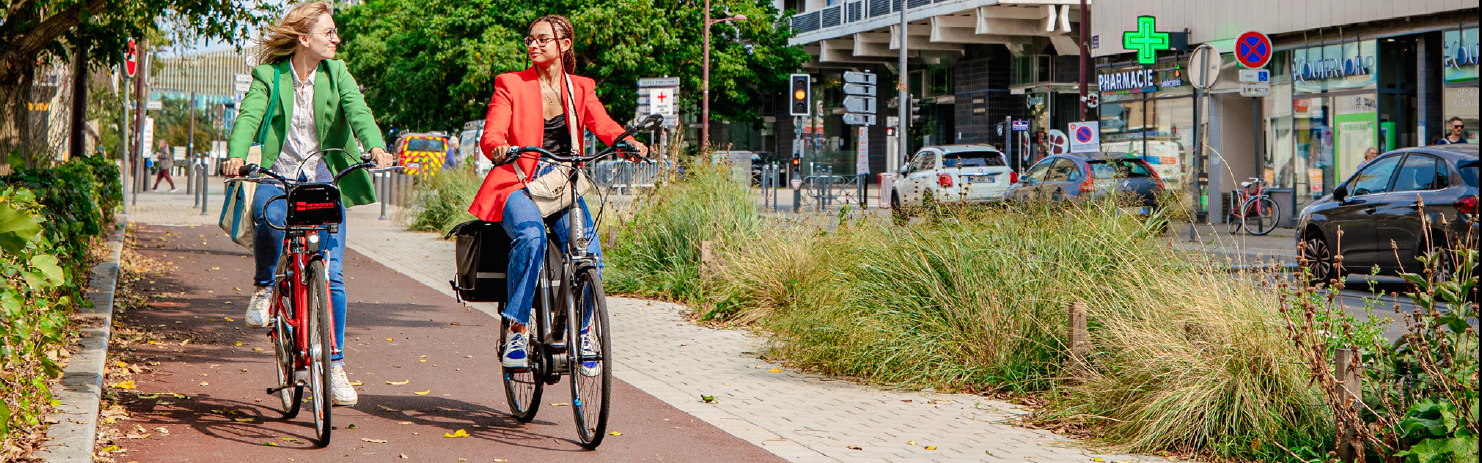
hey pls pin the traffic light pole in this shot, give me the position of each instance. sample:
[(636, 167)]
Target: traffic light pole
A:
[(796, 170), (901, 135)]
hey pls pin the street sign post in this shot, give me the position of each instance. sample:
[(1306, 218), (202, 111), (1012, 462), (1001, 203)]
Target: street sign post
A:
[(659, 95), (1085, 137), (859, 104), (859, 119), (1020, 125), (243, 82), (1255, 82), (131, 59), (154, 105), (859, 89)]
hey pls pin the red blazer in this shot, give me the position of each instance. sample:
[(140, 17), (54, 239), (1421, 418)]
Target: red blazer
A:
[(516, 118)]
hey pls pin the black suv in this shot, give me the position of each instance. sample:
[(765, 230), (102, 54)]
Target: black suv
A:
[(1383, 203)]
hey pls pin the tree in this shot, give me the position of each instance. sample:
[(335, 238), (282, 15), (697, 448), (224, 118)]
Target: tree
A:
[(435, 71), (36, 34)]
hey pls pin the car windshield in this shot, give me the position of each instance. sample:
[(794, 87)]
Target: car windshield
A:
[(1119, 168), (426, 144), (973, 159), (1469, 174)]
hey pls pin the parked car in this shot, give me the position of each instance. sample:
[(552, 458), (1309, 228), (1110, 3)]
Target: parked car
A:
[(1077, 178), (421, 153), (1396, 198), (953, 174)]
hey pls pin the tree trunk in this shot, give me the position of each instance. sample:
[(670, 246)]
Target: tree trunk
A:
[(15, 112)]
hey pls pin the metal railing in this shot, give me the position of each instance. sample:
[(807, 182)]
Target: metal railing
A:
[(623, 177)]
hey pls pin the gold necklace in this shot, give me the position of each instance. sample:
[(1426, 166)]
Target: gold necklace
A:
[(552, 97)]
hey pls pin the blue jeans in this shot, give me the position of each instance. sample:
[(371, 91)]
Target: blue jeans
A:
[(267, 246), (523, 223)]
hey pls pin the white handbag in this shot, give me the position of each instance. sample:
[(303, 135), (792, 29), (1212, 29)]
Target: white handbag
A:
[(549, 190)]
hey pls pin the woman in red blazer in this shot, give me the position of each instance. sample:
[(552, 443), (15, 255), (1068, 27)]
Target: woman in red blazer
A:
[(530, 109)]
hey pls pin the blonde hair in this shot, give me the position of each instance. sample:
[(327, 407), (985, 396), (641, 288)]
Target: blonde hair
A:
[(280, 41)]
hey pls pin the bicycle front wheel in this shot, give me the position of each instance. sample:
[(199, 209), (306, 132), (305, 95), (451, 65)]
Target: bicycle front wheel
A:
[(321, 347), (591, 362), (1261, 215)]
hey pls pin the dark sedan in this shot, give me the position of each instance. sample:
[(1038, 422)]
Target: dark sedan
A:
[(1397, 207), (1073, 177)]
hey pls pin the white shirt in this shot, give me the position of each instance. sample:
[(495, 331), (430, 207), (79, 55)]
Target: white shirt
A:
[(303, 137)]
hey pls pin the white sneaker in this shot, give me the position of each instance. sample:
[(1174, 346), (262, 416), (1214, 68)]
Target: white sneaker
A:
[(589, 365), (257, 307), (339, 387), (514, 352)]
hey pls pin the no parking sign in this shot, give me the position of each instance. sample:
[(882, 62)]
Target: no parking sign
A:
[(1085, 137)]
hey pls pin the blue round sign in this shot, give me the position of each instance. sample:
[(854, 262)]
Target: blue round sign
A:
[(1253, 49), (1083, 134)]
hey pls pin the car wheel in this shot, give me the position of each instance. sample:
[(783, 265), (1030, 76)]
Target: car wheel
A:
[(1319, 256)]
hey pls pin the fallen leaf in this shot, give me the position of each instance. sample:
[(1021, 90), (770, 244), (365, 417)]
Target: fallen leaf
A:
[(1097, 459), (615, 433), (121, 364), (429, 391), (399, 383), (405, 422), (203, 383), (162, 430), (239, 344), (853, 447), (458, 433), (246, 420), (931, 447), (257, 349), (775, 370), (910, 442), (708, 399), (388, 339), (560, 404), (270, 444), (404, 456), (356, 383), (290, 439), (229, 319), (373, 441), (111, 448), (351, 427), (389, 409), (123, 385)]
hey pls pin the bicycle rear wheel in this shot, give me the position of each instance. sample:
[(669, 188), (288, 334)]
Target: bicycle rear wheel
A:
[(321, 346), (522, 386), (1261, 215), (591, 372), (283, 353)]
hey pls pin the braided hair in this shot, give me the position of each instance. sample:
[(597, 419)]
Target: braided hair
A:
[(562, 28)]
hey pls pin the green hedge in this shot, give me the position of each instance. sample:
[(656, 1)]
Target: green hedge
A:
[(48, 220)]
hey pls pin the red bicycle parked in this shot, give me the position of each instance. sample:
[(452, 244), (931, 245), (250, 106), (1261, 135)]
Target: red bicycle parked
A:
[(1252, 209), (301, 320)]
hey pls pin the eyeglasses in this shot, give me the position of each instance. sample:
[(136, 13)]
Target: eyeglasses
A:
[(542, 40), (332, 32)]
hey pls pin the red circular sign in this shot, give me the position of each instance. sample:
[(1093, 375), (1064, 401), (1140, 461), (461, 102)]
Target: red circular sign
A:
[(1083, 134), (1253, 49), (131, 61)]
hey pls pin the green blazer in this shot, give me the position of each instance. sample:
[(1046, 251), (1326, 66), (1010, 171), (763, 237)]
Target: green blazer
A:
[(340, 115)]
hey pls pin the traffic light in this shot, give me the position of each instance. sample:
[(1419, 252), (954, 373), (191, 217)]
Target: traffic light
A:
[(801, 89), (915, 110)]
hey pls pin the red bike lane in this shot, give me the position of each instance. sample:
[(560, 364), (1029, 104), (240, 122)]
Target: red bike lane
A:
[(427, 369)]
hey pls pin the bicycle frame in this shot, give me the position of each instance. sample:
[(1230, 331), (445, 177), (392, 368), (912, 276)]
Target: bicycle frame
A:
[(299, 252)]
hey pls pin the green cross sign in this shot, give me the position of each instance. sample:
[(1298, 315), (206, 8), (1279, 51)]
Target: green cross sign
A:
[(1146, 40)]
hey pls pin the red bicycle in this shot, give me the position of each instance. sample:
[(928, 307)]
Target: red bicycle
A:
[(301, 320), (1252, 209)]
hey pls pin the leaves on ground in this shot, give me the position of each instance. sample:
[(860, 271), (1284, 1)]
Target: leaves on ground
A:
[(373, 441), (458, 433), (429, 391), (775, 370), (399, 383), (853, 447), (123, 385)]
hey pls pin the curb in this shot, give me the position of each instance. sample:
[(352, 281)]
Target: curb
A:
[(72, 438)]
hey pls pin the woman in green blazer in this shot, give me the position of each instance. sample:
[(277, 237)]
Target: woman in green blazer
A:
[(319, 107)]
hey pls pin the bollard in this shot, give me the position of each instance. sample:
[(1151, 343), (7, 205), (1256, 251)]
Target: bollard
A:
[(1349, 387), (191, 178), (1078, 346), (381, 192), (205, 197), (705, 257), (611, 236)]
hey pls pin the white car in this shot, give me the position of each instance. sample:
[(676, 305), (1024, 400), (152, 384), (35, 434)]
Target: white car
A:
[(953, 174)]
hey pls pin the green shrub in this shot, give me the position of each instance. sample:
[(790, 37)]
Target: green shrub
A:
[(442, 200), (48, 220)]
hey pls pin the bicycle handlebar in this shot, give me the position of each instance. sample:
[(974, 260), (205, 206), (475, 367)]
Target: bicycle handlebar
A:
[(249, 169), (649, 123)]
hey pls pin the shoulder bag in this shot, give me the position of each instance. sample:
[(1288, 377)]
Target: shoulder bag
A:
[(236, 211), (548, 191)]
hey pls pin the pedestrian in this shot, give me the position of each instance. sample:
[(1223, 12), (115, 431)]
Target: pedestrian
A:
[(1457, 136), (544, 106), (297, 55), (165, 161), (451, 160)]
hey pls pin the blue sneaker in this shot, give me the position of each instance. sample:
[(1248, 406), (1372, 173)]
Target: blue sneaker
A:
[(514, 352), (589, 364)]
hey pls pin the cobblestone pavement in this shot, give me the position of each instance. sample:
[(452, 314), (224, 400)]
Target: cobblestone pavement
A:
[(798, 416)]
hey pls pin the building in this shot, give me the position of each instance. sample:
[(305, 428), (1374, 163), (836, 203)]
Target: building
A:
[(1345, 75), (972, 65), (209, 75)]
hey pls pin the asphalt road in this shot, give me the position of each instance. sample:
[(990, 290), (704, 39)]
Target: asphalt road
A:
[(399, 330)]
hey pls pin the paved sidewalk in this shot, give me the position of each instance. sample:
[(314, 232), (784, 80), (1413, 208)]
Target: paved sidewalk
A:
[(800, 417)]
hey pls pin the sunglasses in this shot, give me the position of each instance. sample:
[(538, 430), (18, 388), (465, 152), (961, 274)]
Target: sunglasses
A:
[(1458, 126)]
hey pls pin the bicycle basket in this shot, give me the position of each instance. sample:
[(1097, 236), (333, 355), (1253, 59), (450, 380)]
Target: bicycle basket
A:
[(310, 205)]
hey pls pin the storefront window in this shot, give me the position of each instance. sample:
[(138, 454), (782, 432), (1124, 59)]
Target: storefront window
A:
[(1313, 132), (1280, 166), (1461, 55), (1169, 139)]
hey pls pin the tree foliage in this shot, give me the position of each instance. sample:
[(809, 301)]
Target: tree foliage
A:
[(430, 64)]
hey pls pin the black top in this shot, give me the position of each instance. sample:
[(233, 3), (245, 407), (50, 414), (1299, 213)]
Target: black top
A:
[(557, 136)]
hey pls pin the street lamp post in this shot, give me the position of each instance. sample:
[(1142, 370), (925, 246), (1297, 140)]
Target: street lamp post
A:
[(705, 75)]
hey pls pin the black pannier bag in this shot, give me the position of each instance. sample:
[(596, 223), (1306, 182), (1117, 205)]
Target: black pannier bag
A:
[(482, 259)]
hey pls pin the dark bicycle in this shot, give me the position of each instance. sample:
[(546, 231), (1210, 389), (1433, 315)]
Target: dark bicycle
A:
[(301, 320), (570, 288)]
